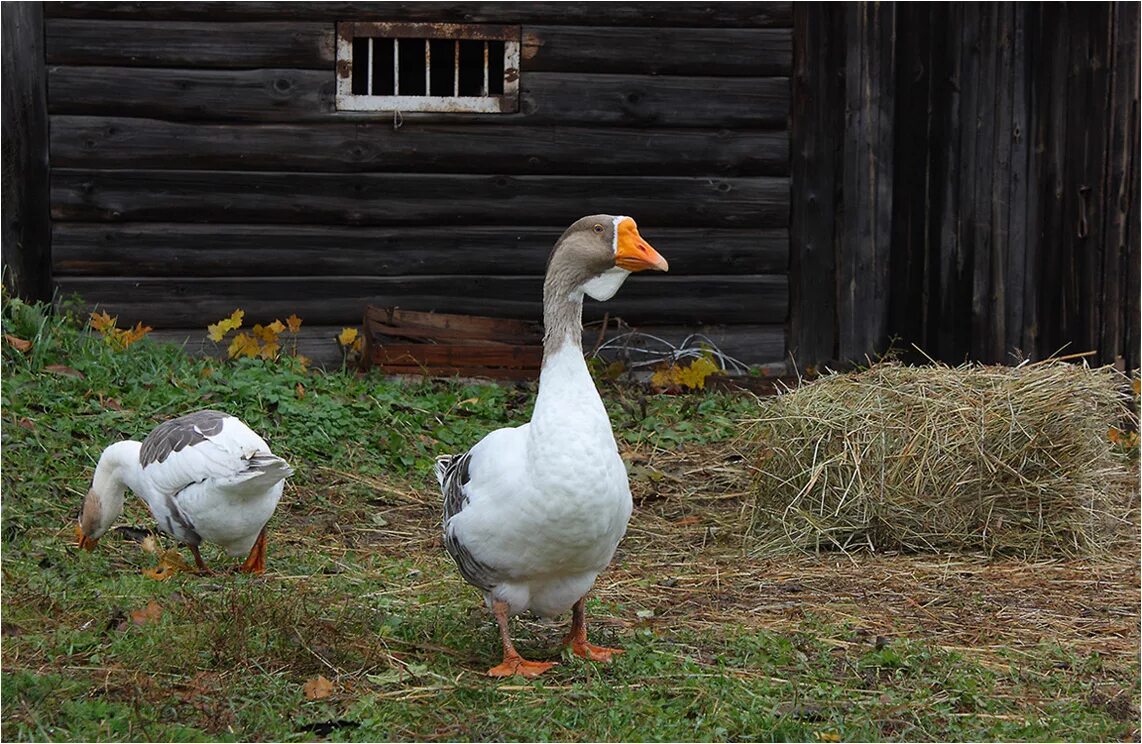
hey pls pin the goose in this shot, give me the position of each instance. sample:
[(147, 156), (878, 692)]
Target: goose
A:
[(205, 476), (533, 513)]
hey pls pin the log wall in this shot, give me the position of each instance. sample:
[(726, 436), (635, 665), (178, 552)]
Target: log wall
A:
[(198, 163)]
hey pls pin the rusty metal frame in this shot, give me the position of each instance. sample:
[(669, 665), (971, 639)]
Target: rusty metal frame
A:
[(508, 102)]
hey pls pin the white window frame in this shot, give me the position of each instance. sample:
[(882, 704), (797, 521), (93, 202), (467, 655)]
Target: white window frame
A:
[(506, 103)]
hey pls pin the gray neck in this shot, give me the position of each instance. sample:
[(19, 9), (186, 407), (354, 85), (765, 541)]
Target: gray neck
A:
[(562, 309)]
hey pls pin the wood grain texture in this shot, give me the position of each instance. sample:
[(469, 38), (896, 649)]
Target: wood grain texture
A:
[(81, 249), (293, 96), (182, 302), (121, 143), (737, 52), (308, 45), (26, 227), (404, 199), (709, 14)]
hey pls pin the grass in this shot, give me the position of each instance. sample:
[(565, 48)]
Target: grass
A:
[(359, 591)]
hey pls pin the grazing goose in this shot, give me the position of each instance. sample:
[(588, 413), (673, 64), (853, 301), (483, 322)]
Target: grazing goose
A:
[(204, 476), (533, 513)]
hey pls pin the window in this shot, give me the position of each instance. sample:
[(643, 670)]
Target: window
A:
[(443, 67)]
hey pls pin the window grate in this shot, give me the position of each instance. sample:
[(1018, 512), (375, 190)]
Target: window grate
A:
[(440, 67)]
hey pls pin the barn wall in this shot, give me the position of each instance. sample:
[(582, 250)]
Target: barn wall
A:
[(983, 183), (198, 163)]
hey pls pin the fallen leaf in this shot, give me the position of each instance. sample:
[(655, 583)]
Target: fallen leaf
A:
[(276, 327), (111, 403), (103, 322), (243, 345), (687, 521), (270, 350), (63, 369), (170, 563), (317, 688), (26, 423), (149, 614), (300, 390), (18, 344), (293, 323), (149, 544), (217, 331)]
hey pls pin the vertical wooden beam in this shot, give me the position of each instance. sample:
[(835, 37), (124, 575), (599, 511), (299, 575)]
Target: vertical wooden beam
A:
[(1020, 208), (27, 230), (817, 126), (863, 262)]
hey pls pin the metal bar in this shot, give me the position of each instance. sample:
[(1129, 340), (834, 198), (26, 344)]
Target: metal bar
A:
[(456, 72), (484, 89), (396, 67), (369, 61), (427, 68)]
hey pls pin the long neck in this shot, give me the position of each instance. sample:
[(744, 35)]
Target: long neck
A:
[(562, 312), (118, 470), (564, 381)]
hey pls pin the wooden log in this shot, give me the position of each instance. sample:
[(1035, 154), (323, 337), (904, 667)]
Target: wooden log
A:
[(26, 226), (180, 301), (411, 324), (292, 96), (1019, 209), (458, 355), (376, 199), (981, 216), (710, 14), (83, 249), (639, 51), (817, 129), (752, 344), (128, 43), (119, 143)]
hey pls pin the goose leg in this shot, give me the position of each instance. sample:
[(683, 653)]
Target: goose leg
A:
[(577, 638), (202, 568), (256, 561), (513, 663)]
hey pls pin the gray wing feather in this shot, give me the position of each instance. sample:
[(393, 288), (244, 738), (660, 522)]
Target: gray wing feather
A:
[(452, 473), (180, 433)]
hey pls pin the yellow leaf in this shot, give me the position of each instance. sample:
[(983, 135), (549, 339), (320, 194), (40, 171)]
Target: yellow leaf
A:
[(217, 331), (243, 345), (103, 322), (1137, 385), (276, 327), (1114, 435), (270, 350), (300, 389), (127, 337), (317, 688), (304, 361), (294, 323), (263, 333), (358, 343), (149, 614), (347, 336)]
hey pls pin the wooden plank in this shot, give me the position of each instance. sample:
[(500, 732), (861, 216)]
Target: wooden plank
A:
[(982, 166), (738, 52), (458, 355), (864, 254), (122, 143), (181, 301), (1019, 208), (707, 14), (404, 199), (402, 323), (817, 129), (195, 44), (752, 344), (27, 230), (293, 96), (1120, 319), (82, 249)]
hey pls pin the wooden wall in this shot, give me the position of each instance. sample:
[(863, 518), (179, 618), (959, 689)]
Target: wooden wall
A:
[(198, 163), (965, 178)]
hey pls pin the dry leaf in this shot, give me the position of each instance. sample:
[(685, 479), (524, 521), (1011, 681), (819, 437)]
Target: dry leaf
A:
[(300, 389), (294, 323), (318, 688), (149, 544), (243, 345), (63, 369), (270, 350), (217, 331), (687, 521), (347, 336), (103, 322), (170, 563), (276, 327), (149, 614), (26, 423), (18, 344)]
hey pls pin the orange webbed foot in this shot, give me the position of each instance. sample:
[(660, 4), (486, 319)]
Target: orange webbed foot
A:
[(521, 666), (589, 651)]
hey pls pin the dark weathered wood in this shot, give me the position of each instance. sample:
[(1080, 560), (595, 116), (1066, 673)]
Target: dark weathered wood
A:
[(119, 143), (657, 51), (981, 166), (181, 44), (728, 14), (866, 232), (266, 250), (292, 96), (26, 232), (1020, 211), (175, 302), (817, 130), (403, 199), (398, 323)]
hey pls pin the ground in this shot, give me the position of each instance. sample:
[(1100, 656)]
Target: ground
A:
[(362, 630)]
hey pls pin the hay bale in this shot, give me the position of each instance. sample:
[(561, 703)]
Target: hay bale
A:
[(999, 459)]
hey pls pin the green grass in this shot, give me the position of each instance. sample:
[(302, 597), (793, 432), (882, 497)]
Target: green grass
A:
[(359, 590)]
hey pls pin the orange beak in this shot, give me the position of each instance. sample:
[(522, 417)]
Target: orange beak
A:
[(634, 253), (85, 542)]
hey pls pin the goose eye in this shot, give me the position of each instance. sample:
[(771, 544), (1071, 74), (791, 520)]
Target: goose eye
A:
[(598, 228)]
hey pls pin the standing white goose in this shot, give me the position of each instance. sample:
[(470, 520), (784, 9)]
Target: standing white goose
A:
[(204, 476), (533, 513)]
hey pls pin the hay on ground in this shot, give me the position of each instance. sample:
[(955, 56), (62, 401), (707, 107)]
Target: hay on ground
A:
[(999, 459)]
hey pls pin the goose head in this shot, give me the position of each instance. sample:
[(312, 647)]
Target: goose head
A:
[(117, 469), (598, 252)]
